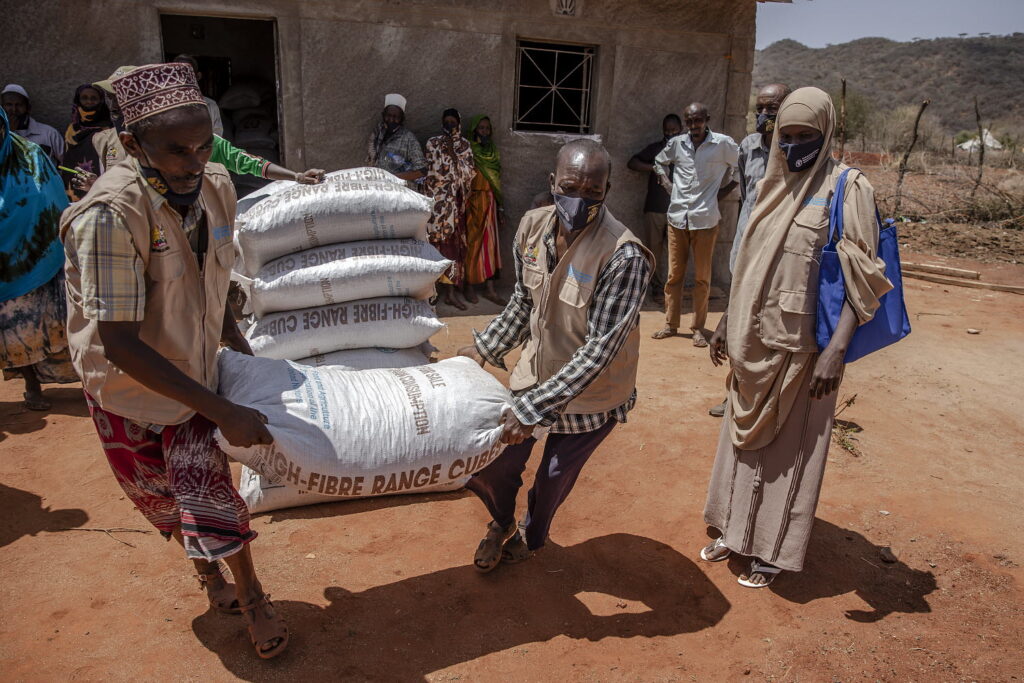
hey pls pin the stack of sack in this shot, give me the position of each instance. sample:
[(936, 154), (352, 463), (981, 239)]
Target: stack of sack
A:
[(337, 276)]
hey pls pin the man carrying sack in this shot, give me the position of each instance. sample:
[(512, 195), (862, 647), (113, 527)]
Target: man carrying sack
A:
[(581, 277), (148, 256)]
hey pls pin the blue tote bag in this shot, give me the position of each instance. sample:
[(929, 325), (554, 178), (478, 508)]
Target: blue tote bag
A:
[(891, 322)]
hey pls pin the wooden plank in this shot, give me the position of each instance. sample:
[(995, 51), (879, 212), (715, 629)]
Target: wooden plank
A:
[(941, 270), (957, 282)]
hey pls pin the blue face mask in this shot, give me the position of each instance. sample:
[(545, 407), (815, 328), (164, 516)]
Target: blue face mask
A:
[(765, 123), (800, 156), (576, 213)]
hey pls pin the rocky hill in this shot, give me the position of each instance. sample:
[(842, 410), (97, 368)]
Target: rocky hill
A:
[(949, 71)]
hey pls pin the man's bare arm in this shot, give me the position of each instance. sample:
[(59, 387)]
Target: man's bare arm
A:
[(241, 426)]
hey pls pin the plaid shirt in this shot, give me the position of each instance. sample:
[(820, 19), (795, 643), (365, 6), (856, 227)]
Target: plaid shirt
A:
[(113, 274), (614, 312), (400, 154), (113, 278)]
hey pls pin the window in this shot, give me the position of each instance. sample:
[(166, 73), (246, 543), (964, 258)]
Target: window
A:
[(553, 85)]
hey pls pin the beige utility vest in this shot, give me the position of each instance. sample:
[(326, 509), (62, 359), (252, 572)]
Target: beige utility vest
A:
[(561, 302), (184, 314), (108, 148)]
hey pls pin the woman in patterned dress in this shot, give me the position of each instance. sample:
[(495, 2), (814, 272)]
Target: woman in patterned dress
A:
[(33, 342), (484, 213), (450, 170)]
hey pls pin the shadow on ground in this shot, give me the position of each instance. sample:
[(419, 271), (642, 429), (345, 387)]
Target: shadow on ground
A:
[(407, 629), (15, 418), (345, 506), (22, 514), (841, 561)]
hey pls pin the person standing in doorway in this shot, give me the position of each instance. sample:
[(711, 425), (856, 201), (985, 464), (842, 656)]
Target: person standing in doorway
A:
[(753, 160), (450, 171), (581, 278), (484, 212), (702, 164), (18, 106), (149, 253), (392, 146), (656, 203)]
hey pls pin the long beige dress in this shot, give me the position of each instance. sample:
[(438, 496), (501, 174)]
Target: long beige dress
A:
[(774, 444)]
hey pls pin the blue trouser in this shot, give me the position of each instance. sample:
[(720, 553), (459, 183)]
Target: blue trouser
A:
[(564, 456)]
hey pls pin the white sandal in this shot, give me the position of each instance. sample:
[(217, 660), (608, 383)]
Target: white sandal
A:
[(758, 567), (707, 551)]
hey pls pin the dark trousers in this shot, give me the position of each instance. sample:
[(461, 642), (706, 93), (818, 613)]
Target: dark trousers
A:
[(564, 456)]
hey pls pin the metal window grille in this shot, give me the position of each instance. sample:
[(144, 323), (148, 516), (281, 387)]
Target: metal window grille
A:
[(553, 87)]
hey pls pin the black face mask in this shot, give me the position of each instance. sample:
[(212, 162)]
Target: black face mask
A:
[(157, 182), (450, 127), (391, 127), (765, 123), (800, 156), (576, 213)]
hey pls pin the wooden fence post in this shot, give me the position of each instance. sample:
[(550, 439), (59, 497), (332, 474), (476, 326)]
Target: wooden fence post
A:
[(842, 122), (981, 149), (903, 162)]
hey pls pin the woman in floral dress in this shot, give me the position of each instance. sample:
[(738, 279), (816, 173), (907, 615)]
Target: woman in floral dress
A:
[(450, 170)]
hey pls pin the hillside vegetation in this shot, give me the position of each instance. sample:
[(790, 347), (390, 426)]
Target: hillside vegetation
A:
[(887, 74)]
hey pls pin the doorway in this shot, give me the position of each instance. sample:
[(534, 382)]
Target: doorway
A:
[(237, 61)]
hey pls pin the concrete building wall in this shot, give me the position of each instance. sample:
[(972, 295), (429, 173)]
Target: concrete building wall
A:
[(337, 59)]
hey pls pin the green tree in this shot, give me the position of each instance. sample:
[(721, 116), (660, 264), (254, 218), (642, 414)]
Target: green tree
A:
[(858, 111)]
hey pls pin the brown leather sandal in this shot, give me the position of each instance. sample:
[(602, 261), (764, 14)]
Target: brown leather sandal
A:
[(488, 553), (515, 549), (271, 628), (228, 605)]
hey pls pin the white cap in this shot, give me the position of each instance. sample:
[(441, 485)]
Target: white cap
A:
[(15, 88), (389, 100)]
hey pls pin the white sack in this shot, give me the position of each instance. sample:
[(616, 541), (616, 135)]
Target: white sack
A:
[(340, 209), (346, 272), (394, 322), (262, 495), (368, 433), (369, 359), (367, 173)]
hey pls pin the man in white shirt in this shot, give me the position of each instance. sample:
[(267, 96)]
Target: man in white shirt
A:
[(702, 163), (18, 106)]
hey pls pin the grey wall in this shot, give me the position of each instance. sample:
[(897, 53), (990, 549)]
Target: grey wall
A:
[(337, 59)]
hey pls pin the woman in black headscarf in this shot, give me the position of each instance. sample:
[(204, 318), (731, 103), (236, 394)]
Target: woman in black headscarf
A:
[(89, 115)]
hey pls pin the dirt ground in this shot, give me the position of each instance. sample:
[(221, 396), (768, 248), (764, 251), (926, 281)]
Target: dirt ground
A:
[(932, 196), (384, 589)]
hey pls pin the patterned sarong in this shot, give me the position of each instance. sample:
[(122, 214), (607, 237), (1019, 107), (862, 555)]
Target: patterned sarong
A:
[(177, 478)]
